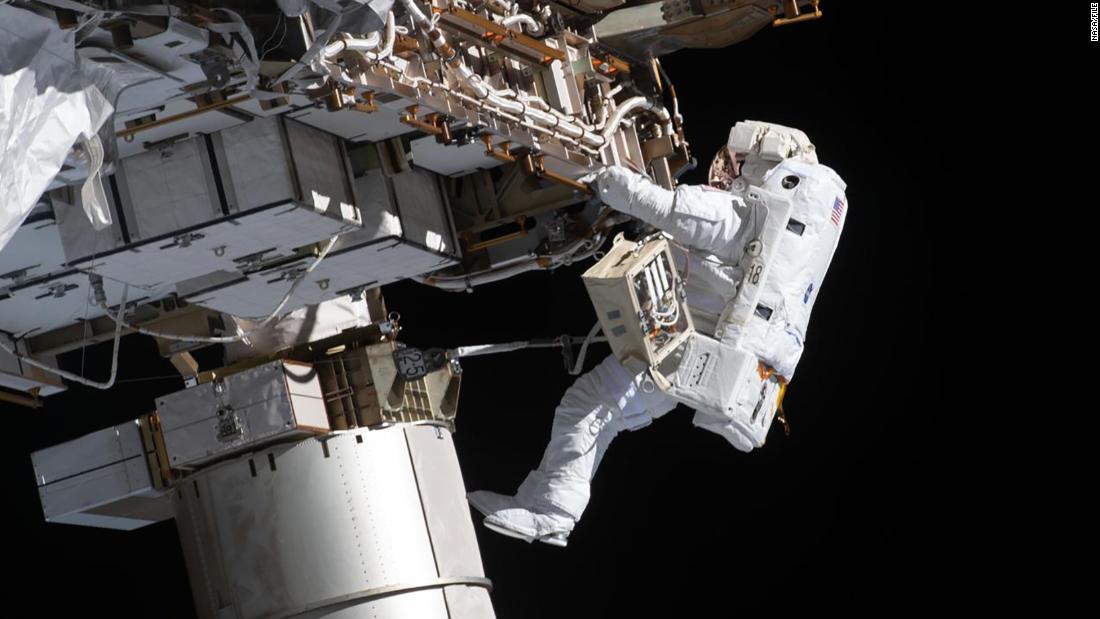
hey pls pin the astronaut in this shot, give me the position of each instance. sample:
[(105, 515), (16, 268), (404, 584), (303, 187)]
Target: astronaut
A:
[(716, 225)]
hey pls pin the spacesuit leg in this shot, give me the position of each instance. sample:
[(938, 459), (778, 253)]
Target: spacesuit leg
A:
[(599, 405)]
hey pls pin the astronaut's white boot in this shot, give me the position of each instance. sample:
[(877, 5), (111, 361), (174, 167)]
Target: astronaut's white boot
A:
[(506, 516)]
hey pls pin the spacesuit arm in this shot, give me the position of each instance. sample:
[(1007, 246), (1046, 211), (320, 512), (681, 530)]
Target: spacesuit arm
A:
[(699, 216)]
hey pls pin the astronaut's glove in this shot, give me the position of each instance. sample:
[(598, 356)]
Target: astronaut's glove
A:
[(613, 186), (592, 180)]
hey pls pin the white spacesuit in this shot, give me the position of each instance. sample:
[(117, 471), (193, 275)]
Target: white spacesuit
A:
[(716, 225)]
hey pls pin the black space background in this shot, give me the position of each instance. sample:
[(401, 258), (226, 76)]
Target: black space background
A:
[(862, 507)]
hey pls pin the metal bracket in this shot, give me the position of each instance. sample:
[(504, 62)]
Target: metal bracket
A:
[(491, 151), (534, 165), (184, 240), (793, 15), (432, 124)]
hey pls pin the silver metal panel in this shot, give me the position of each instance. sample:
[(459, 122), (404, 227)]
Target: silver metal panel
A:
[(15, 374), (240, 412), (205, 123), (33, 251), (355, 125), (252, 106), (448, 516), (254, 163), (445, 507), (101, 479), (95, 488), (168, 189), (273, 160), (330, 522), (77, 236), (19, 382), (306, 397), (168, 54), (423, 213), (451, 160), (90, 451), (321, 168), (100, 521), (276, 230), (466, 602), (379, 263), (382, 263), (408, 204), (380, 219), (56, 302)]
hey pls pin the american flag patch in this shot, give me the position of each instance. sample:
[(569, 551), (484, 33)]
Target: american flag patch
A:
[(838, 211)]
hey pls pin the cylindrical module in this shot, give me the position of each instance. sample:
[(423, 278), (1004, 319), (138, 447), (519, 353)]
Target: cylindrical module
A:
[(362, 523)]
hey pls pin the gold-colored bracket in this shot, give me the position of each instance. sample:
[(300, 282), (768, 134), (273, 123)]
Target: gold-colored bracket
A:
[(405, 44), (611, 65), (128, 132), (184, 363), (534, 165), (508, 41), (30, 401), (504, 238), (793, 15), (156, 454), (500, 155), (367, 105), (432, 124)]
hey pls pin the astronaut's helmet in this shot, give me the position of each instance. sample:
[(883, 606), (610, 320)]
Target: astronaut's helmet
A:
[(754, 148)]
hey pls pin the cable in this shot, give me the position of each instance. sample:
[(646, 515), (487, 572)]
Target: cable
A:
[(672, 317), (74, 377), (579, 365), (263, 48), (240, 334)]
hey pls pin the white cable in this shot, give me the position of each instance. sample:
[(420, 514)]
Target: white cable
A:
[(579, 365), (387, 41), (675, 317), (237, 25), (414, 11), (489, 349), (228, 339), (492, 349), (534, 27), (74, 377), (347, 42), (481, 90), (628, 106)]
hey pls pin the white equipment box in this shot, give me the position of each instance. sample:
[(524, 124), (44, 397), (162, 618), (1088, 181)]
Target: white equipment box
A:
[(275, 401), (101, 479), (639, 300), (405, 232)]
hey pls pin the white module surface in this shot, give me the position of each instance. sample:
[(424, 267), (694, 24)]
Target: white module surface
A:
[(451, 160), (355, 125), (274, 230), (33, 251), (375, 264), (59, 301), (340, 528)]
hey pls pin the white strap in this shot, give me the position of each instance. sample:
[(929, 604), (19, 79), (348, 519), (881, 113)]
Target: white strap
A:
[(91, 193)]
